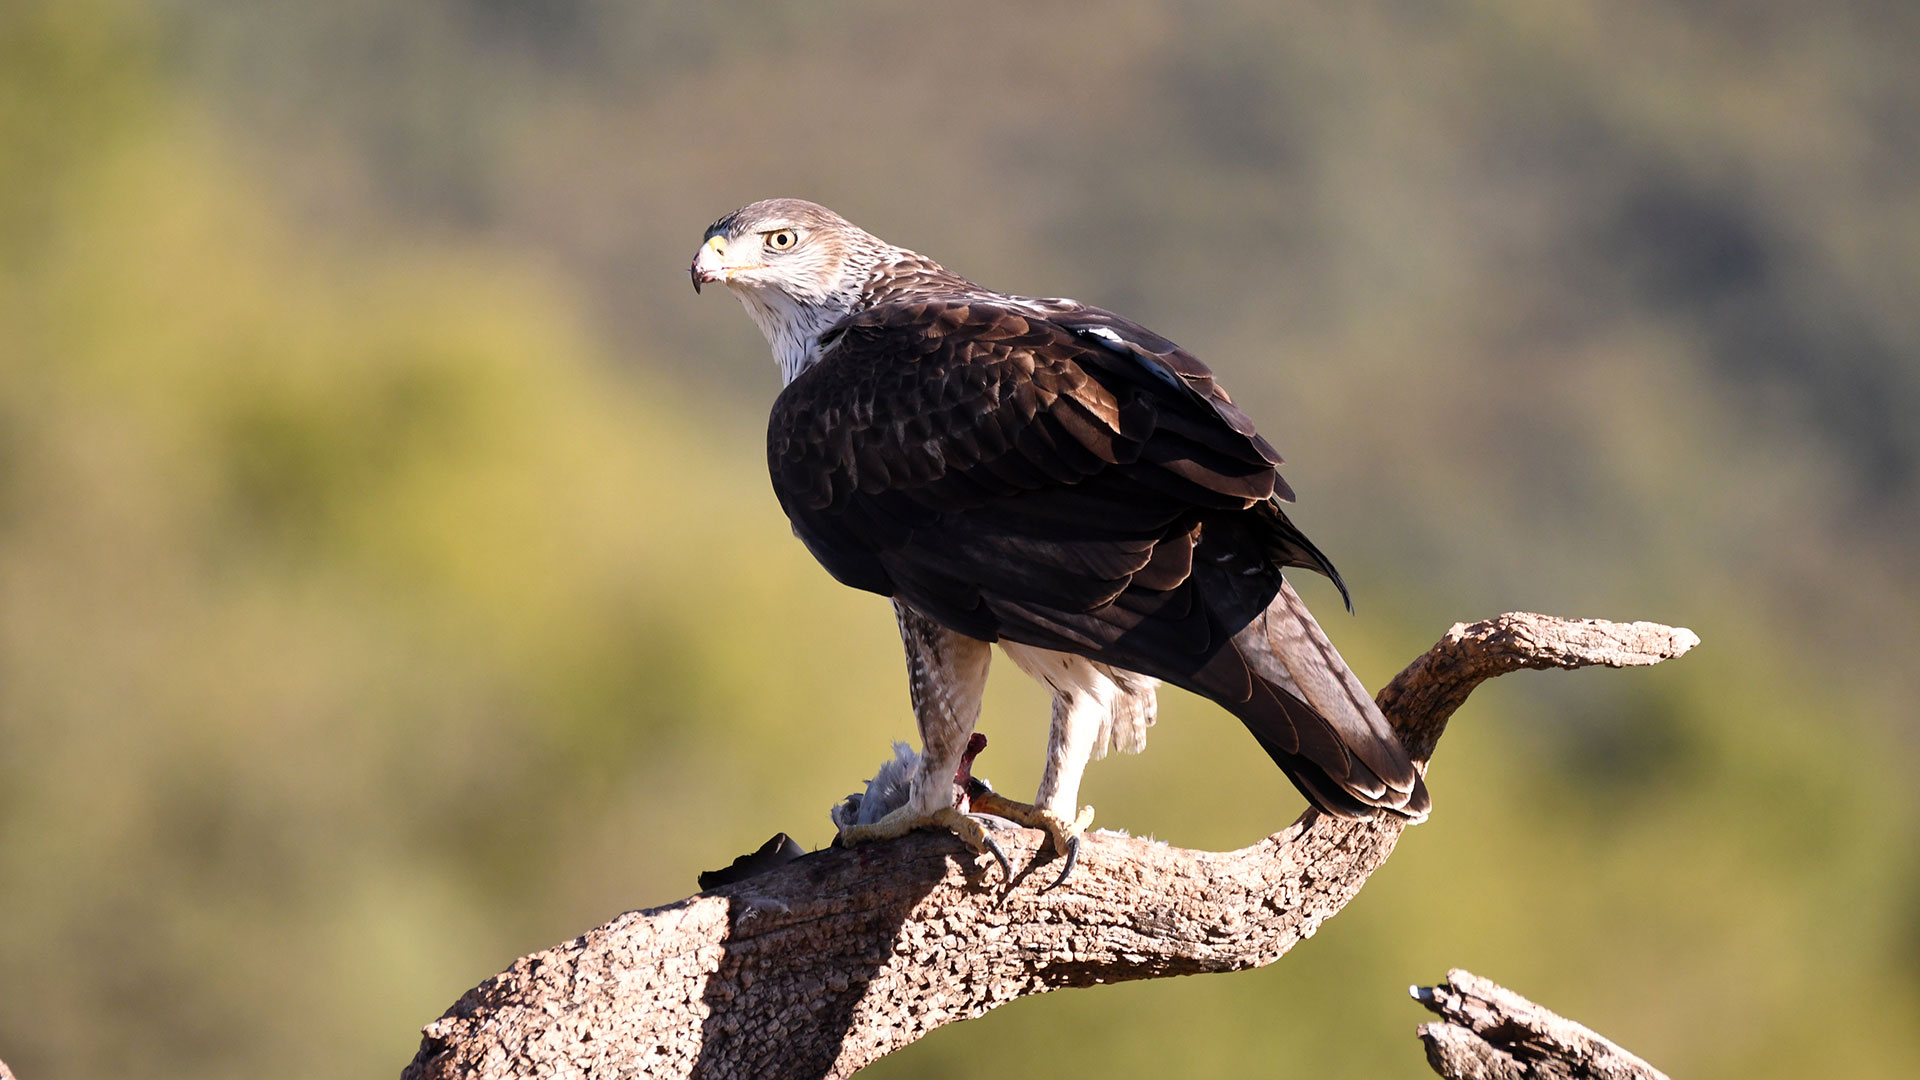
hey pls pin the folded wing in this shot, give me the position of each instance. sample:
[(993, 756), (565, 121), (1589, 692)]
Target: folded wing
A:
[(1058, 476)]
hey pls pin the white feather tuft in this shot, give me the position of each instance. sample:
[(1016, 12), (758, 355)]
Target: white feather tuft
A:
[(887, 791)]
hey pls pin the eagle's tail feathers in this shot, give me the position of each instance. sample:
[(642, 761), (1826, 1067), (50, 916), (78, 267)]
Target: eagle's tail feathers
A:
[(1315, 719)]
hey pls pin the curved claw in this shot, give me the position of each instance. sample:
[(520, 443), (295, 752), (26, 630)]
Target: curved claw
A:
[(1073, 859), (999, 855)]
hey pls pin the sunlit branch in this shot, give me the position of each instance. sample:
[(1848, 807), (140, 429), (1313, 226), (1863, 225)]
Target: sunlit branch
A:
[(838, 958)]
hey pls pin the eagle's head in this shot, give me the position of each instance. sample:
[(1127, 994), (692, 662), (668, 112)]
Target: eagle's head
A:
[(798, 267)]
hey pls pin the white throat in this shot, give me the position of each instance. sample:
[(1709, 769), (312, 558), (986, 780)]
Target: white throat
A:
[(791, 328)]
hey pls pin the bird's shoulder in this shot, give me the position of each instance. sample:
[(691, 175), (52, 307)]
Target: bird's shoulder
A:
[(916, 330), (924, 382)]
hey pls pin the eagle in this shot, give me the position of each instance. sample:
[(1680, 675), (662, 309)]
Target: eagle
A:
[(1058, 480)]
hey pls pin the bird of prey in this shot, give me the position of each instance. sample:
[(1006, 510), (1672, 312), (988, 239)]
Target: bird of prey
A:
[(1054, 478)]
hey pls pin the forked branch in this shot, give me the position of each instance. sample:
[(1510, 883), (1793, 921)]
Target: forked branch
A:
[(838, 958)]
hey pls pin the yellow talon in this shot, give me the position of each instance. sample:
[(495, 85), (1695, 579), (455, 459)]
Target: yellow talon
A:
[(1058, 829), (903, 820)]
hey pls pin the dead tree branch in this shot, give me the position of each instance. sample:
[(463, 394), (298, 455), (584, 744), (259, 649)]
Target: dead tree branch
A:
[(838, 958), (1488, 1032)]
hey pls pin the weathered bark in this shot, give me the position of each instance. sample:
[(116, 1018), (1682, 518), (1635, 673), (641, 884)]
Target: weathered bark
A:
[(836, 959), (1488, 1032)]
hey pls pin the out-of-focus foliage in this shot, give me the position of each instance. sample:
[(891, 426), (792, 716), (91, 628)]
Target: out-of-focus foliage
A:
[(389, 583)]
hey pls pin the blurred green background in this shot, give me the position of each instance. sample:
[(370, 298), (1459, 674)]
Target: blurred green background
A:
[(390, 584)]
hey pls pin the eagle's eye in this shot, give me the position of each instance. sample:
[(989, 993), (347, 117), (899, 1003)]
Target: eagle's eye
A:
[(782, 239)]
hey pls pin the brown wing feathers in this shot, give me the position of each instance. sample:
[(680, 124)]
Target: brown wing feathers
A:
[(1076, 483)]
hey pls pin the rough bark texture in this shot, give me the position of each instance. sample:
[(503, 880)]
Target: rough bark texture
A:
[(1488, 1032), (838, 958)]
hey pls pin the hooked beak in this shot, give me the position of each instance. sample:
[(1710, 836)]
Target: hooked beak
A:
[(709, 263)]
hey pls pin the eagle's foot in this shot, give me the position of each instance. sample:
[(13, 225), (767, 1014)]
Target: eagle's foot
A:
[(905, 819), (1064, 834)]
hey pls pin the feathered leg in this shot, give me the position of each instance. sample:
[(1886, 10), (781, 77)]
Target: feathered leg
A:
[(1085, 699), (1079, 721), (946, 673)]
